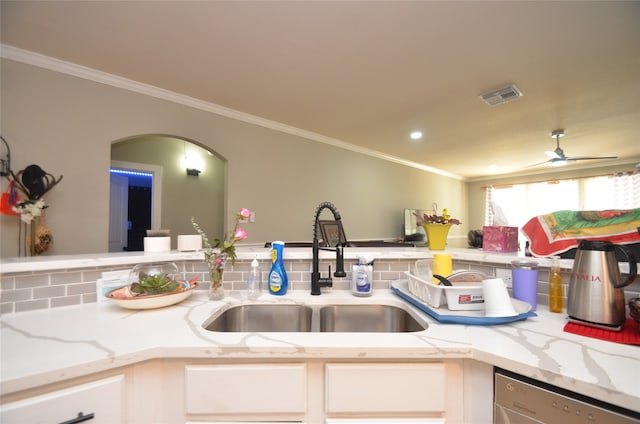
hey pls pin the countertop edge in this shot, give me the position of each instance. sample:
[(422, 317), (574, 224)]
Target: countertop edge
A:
[(421, 354), (94, 260)]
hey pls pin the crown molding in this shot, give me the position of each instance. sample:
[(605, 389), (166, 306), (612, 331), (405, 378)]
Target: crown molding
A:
[(68, 68)]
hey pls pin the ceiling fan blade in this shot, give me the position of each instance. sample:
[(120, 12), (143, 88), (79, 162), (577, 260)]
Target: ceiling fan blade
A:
[(590, 157), (557, 156), (538, 164)]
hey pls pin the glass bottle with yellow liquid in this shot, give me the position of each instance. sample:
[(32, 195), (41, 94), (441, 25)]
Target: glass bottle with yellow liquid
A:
[(555, 286)]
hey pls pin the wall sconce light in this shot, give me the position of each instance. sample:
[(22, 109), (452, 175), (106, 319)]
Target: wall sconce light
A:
[(193, 162)]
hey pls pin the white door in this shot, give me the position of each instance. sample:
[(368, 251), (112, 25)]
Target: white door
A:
[(118, 212)]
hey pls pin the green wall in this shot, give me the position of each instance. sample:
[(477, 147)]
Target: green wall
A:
[(67, 125)]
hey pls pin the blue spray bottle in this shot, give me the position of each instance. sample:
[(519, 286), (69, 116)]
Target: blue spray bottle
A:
[(278, 281)]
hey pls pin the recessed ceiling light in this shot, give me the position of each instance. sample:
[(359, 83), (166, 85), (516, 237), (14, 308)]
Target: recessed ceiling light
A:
[(416, 135)]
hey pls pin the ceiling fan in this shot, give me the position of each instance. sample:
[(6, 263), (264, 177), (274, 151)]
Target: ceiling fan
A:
[(557, 156)]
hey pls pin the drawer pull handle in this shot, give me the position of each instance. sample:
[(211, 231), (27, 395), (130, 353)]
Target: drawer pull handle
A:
[(80, 418)]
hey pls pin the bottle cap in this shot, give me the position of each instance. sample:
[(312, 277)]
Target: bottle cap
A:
[(365, 259)]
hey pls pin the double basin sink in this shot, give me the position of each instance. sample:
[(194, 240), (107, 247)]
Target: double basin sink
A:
[(369, 318)]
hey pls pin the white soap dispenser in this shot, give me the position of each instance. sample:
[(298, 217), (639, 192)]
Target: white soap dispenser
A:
[(362, 276), (253, 281)]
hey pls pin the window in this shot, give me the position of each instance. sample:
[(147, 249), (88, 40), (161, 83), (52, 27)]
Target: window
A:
[(521, 202)]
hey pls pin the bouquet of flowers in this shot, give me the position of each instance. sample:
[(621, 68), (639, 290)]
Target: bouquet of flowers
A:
[(216, 254), (445, 218), (436, 227), (29, 210)]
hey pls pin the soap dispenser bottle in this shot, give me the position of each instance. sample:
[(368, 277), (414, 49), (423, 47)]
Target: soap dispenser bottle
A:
[(555, 286), (278, 281), (253, 281), (362, 276)]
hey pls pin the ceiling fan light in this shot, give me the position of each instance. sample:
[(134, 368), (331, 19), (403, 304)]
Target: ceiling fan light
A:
[(559, 162)]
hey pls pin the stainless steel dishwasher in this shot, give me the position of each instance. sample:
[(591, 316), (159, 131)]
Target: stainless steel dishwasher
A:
[(521, 400)]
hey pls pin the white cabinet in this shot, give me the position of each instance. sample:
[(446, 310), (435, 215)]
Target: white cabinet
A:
[(103, 398), (246, 390), (478, 392), (385, 421), (392, 392), (312, 391), (325, 392), (385, 388)]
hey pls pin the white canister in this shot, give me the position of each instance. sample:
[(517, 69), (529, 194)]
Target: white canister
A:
[(189, 243), (157, 244)]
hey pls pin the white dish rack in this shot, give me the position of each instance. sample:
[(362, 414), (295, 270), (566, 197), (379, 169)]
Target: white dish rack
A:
[(459, 297)]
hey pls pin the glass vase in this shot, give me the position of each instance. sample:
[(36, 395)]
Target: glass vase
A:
[(216, 291)]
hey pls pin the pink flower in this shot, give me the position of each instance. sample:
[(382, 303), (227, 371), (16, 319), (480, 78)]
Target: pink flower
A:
[(216, 258), (445, 218), (240, 234)]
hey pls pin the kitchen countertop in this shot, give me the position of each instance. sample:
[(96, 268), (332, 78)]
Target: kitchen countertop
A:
[(47, 346), (248, 252)]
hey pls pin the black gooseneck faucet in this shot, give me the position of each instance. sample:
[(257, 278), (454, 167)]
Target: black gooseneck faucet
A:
[(316, 280)]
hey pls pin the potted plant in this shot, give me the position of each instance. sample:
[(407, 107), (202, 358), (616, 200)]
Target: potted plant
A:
[(437, 227)]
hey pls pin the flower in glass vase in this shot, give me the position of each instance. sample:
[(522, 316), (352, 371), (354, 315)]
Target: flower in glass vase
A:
[(217, 254)]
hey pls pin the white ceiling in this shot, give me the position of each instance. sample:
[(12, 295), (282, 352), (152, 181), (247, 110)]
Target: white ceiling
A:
[(367, 73)]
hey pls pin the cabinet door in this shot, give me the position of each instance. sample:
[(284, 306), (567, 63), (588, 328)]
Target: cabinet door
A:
[(385, 421), (385, 388), (245, 389), (104, 398)]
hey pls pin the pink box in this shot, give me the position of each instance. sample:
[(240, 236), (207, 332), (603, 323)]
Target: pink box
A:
[(500, 239)]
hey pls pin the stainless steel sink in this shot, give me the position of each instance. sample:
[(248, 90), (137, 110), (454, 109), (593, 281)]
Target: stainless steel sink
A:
[(263, 318), (367, 318), (314, 318)]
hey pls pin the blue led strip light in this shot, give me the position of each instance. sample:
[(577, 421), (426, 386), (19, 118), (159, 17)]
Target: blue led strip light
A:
[(128, 172)]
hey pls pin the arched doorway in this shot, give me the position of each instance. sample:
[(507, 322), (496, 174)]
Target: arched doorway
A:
[(174, 193)]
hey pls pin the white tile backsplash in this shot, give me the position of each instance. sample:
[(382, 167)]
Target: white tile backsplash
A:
[(41, 290)]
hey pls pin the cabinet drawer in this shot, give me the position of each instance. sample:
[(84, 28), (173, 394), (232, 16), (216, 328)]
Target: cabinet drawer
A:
[(104, 398), (385, 388), (245, 389)]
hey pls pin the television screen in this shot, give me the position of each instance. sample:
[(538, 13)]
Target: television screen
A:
[(411, 230)]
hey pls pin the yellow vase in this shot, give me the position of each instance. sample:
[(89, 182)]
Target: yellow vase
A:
[(437, 235)]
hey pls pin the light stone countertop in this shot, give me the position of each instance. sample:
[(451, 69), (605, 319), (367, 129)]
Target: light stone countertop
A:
[(46, 346), (248, 252)]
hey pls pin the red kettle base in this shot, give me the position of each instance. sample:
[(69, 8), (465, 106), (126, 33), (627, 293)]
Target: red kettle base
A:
[(610, 327)]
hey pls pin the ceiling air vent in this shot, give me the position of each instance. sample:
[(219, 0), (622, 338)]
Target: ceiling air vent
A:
[(502, 95)]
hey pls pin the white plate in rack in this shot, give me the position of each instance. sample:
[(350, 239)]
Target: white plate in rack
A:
[(462, 296)]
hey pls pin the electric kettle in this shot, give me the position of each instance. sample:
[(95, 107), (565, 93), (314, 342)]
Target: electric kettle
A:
[(596, 297)]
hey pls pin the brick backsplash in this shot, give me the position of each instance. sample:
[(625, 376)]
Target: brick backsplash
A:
[(42, 290)]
